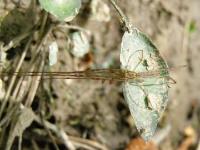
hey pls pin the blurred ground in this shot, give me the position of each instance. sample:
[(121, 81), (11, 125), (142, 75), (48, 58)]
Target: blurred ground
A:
[(96, 110)]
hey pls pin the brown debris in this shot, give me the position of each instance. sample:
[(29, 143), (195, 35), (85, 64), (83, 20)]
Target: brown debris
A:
[(140, 144)]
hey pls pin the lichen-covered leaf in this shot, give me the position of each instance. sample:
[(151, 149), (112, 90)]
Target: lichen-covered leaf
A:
[(64, 10), (146, 97)]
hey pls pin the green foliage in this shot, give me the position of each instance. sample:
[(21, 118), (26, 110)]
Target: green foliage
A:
[(64, 10), (191, 27)]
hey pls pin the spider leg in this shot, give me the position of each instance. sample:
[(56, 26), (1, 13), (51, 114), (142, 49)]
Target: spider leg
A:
[(146, 99), (131, 56)]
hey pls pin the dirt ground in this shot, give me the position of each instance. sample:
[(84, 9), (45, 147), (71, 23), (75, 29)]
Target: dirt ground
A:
[(96, 110)]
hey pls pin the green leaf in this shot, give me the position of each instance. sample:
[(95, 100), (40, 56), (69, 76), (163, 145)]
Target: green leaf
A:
[(64, 10)]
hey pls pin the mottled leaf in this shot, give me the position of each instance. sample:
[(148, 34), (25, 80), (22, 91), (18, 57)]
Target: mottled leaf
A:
[(146, 97)]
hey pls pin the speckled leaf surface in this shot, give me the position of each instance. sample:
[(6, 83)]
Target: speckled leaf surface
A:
[(146, 97), (64, 10)]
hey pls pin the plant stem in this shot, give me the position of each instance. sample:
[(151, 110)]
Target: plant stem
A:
[(124, 18)]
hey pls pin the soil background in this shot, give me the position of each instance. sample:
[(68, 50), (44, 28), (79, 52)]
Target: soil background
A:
[(96, 110)]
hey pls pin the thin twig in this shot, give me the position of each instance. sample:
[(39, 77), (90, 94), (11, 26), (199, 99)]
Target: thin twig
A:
[(17, 88), (48, 132), (43, 25), (6, 97), (66, 140), (79, 142), (90, 143), (34, 87), (37, 79), (124, 18), (84, 146), (9, 115), (57, 131), (20, 143), (39, 46)]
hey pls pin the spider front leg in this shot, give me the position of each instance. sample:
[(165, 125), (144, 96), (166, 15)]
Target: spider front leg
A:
[(139, 56), (132, 57)]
